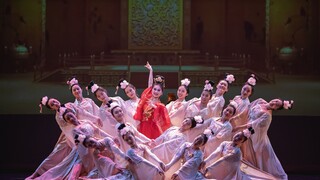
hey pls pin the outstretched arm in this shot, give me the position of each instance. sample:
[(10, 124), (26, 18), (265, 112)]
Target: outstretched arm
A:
[(150, 81)]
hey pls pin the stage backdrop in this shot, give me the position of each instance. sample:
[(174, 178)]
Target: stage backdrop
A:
[(155, 24)]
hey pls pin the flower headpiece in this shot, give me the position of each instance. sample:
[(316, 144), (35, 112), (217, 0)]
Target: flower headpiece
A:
[(93, 87), (185, 82), (230, 78), (287, 104), (198, 119), (208, 86), (113, 105), (248, 132), (72, 82), (233, 103), (43, 102), (120, 126), (123, 84), (79, 138), (252, 80), (208, 132), (125, 130)]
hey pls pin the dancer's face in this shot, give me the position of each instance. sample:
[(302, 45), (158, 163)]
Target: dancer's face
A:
[(129, 138), (198, 141), (130, 92), (156, 91), (101, 95), (222, 85), (205, 97), (71, 118), (275, 104), (186, 124), (182, 92), (77, 91), (117, 113), (228, 112), (246, 91), (54, 104)]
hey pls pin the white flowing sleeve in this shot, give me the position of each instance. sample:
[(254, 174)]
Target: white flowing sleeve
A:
[(114, 147), (215, 154), (177, 156)]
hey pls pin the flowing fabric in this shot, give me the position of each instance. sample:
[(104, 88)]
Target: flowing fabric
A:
[(177, 111), (154, 118), (260, 119), (215, 106)]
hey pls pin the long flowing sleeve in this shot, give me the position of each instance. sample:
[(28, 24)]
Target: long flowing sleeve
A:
[(215, 154), (177, 156), (145, 96), (162, 116), (113, 147)]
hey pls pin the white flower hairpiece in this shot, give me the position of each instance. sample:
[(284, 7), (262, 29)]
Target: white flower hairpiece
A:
[(43, 102), (185, 82), (198, 119), (233, 103), (252, 80), (287, 104), (79, 138), (246, 133), (230, 78), (124, 84), (208, 86), (124, 131), (208, 132), (94, 88), (72, 82), (113, 105)]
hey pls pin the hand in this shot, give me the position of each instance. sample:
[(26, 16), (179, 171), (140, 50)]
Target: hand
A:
[(148, 66), (99, 122), (174, 176), (163, 167), (152, 143)]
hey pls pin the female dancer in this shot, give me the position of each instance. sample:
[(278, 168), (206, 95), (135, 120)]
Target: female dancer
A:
[(151, 113), (260, 117), (81, 102), (131, 92), (198, 107), (220, 129), (138, 153), (177, 108), (191, 156), (216, 103)]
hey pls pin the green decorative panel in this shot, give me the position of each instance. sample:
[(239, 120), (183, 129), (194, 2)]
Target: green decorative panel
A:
[(155, 24)]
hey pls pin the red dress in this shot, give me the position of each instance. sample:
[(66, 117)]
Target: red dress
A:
[(153, 119)]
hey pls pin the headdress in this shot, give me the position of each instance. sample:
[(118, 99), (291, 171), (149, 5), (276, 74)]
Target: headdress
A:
[(79, 138), (248, 132), (196, 120), (208, 132), (120, 126), (252, 80), (208, 85), (125, 130), (113, 105), (72, 81), (122, 84), (159, 80), (93, 87), (229, 78), (185, 82), (43, 102), (287, 104)]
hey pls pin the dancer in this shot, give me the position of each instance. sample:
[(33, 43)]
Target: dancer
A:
[(177, 108), (198, 107), (220, 128), (260, 117), (131, 92), (143, 158), (216, 103), (191, 156), (151, 113)]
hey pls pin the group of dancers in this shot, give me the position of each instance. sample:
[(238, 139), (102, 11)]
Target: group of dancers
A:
[(142, 138)]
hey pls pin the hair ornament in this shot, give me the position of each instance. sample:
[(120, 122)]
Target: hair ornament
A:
[(125, 130), (233, 103), (248, 132), (252, 80), (208, 86), (120, 126), (230, 78), (198, 119), (79, 138), (287, 104), (113, 105), (185, 82), (72, 82), (123, 84), (43, 102), (208, 132)]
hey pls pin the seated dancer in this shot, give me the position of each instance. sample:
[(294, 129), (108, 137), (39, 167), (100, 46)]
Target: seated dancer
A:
[(146, 165)]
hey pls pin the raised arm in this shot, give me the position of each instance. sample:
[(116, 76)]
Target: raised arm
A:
[(150, 81)]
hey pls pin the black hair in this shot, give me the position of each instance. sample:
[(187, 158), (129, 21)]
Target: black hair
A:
[(121, 126), (205, 139), (113, 108), (159, 80), (194, 122), (234, 108)]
